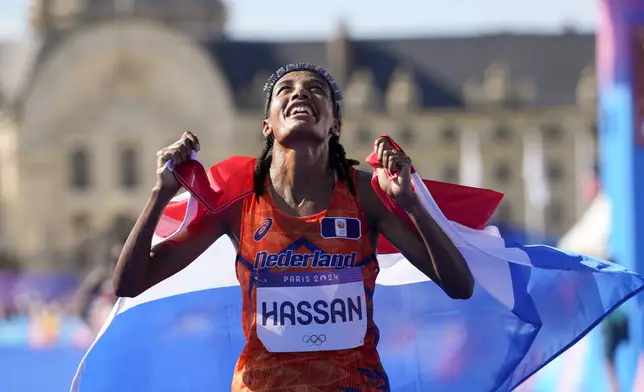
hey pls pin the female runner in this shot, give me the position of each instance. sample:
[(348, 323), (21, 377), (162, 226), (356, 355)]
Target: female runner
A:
[(306, 244)]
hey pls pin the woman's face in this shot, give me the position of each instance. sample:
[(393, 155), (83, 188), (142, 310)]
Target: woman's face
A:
[(301, 109)]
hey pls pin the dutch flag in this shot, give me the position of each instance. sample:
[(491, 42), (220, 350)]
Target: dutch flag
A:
[(530, 304)]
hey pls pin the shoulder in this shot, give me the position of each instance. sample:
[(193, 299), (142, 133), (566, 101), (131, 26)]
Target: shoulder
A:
[(238, 169), (232, 179), (363, 182)]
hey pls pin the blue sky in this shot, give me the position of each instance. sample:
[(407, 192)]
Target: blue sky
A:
[(263, 19)]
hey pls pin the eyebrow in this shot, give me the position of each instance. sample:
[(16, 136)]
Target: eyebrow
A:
[(315, 79), (282, 83)]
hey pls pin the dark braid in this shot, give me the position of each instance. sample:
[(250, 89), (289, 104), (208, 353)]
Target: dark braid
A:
[(262, 167), (338, 161)]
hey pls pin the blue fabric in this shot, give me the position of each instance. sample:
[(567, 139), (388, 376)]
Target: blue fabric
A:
[(190, 342), (23, 369)]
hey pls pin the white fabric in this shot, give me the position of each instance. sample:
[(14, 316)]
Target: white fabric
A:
[(590, 234)]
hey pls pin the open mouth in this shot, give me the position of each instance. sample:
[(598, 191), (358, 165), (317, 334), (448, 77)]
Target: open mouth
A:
[(301, 110)]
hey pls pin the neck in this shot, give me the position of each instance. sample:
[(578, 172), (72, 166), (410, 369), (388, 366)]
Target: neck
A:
[(299, 174)]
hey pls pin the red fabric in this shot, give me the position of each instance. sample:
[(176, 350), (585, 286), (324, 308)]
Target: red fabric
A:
[(224, 184), (232, 180), (471, 207), (372, 159)]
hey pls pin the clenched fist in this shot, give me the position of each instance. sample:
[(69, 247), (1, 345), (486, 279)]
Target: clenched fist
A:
[(178, 152), (398, 188)]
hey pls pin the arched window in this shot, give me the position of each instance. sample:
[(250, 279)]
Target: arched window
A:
[(449, 135), (129, 168), (450, 173), (502, 134), (503, 172), (555, 171), (79, 162), (552, 133)]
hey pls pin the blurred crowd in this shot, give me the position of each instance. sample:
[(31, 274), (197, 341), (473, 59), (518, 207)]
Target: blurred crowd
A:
[(54, 308)]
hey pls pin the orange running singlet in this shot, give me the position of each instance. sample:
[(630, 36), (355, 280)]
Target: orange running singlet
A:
[(307, 286)]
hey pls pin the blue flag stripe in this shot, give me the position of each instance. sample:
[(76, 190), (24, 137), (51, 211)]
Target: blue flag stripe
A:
[(428, 341)]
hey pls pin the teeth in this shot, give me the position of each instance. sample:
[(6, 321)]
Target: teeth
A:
[(301, 109)]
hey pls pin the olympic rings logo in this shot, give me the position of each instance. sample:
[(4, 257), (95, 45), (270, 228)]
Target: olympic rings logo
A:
[(314, 340)]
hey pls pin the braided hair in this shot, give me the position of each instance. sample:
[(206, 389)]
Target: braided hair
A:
[(337, 155)]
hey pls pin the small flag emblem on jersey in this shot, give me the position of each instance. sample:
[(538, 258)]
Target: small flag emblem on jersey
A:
[(348, 228)]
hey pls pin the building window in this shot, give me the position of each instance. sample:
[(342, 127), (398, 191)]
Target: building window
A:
[(80, 169), (502, 172), (555, 215), (502, 134), (504, 213), (406, 135), (450, 173), (129, 170), (449, 136), (364, 135), (555, 172), (552, 133)]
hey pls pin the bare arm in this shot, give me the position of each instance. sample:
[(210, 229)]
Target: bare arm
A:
[(427, 247), (430, 250), (140, 266)]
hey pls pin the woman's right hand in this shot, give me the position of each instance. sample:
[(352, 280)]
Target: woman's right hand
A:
[(179, 152)]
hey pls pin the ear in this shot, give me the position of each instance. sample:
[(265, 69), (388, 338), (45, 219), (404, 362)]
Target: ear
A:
[(267, 131), (336, 128)]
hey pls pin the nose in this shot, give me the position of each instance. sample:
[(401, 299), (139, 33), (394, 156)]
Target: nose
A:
[(300, 92)]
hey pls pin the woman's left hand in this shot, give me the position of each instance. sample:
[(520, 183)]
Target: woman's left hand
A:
[(398, 188)]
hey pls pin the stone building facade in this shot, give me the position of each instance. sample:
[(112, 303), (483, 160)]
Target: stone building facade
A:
[(100, 86)]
